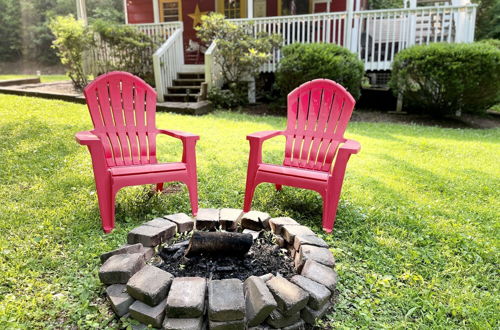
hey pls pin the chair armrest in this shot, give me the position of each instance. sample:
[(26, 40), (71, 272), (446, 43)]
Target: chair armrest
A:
[(179, 134), (263, 135), (350, 146), (87, 138)]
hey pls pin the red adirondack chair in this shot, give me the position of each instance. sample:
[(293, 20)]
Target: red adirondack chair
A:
[(123, 142), (318, 113)]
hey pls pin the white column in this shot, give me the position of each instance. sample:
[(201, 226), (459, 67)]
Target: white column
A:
[(81, 11), (125, 11), (250, 8), (348, 22), (156, 11)]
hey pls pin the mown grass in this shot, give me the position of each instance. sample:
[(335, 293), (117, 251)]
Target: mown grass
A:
[(43, 78), (416, 237)]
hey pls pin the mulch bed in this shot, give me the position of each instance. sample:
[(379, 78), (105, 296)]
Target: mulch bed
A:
[(264, 257)]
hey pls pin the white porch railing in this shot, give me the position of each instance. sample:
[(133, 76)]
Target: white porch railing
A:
[(159, 31), (168, 60), (375, 35)]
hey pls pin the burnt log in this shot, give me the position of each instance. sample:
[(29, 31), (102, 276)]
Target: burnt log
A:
[(219, 243)]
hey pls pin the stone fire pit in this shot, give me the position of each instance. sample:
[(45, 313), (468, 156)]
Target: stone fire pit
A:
[(138, 285)]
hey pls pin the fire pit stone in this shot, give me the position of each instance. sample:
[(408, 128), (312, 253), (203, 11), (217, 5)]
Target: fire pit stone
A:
[(119, 298), (277, 224), (187, 297), (152, 235), (318, 293), (183, 324), (259, 300), (255, 220), (229, 219), (207, 219), (147, 314), (293, 296), (182, 220), (150, 285), (226, 301), (119, 268), (290, 297)]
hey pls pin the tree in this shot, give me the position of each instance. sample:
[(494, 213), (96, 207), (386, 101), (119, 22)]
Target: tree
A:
[(488, 19), (10, 30)]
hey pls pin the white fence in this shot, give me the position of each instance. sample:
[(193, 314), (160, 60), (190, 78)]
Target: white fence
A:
[(167, 62)]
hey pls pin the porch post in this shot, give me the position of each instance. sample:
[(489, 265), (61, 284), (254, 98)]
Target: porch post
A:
[(156, 11), (250, 9), (81, 11), (125, 11), (348, 24)]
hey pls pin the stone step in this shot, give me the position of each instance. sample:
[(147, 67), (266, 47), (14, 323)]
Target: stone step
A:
[(181, 97), (188, 82), (184, 89), (191, 108), (191, 75)]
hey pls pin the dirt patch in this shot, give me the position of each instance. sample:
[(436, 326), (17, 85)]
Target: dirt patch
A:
[(363, 115), (264, 257)]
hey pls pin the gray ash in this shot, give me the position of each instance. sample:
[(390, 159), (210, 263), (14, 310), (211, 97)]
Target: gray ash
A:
[(264, 257)]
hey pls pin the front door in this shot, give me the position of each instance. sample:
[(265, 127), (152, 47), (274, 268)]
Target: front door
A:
[(232, 8)]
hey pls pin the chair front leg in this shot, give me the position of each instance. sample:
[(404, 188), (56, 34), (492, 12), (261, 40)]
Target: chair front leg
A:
[(189, 158), (254, 159), (332, 195)]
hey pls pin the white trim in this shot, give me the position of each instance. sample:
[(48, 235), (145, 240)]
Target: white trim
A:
[(249, 8), (156, 11), (125, 11), (81, 11)]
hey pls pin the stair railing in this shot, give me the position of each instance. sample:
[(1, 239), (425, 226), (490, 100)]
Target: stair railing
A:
[(213, 71), (168, 60)]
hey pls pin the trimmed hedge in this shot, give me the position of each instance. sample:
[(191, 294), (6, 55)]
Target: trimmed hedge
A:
[(443, 79), (304, 62)]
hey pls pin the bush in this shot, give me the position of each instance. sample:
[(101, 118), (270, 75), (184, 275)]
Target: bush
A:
[(240, 53), (443, 79), (72, 39), (233, 97), (107, 46), (304, 62), (127, 49)]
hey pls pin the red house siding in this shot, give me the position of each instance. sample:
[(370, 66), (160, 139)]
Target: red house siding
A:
[(272, 7), (140, 11), (189, 7)]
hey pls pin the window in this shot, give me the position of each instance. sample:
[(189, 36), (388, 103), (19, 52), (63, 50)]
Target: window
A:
[(232, 8), (170, 10)]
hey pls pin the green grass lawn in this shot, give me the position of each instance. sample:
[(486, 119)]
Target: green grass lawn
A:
[(416, 237), (43, 78)]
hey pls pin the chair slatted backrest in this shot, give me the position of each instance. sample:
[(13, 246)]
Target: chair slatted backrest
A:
[(123, 107), (318, 113)]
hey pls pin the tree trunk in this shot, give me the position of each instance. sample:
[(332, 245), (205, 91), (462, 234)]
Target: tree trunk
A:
[(219, 243)]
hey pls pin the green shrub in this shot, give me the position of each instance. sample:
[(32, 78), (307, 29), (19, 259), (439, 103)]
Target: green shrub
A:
[(443, 79), (491, 42), (72, 39), (127, 49), (304, 62), (240, 54), (234, 96), (107, 47)]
